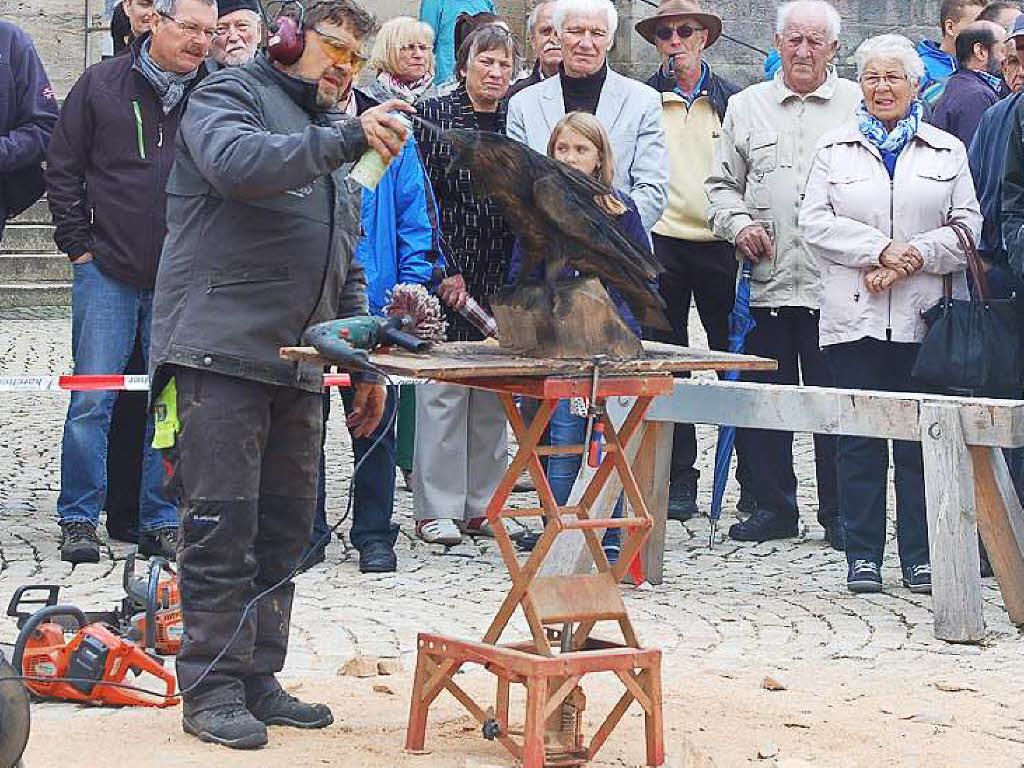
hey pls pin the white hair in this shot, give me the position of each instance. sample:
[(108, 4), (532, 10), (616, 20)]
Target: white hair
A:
[(531, 20), (890, 47), (833, 20), (170, 7), (566, 8)]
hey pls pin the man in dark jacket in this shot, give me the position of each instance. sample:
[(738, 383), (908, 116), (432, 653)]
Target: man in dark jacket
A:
[(697, 265), (976, 85), (939, 56), (540, 29), (106, 169), (28, 113), (261, 234), (987, 154)]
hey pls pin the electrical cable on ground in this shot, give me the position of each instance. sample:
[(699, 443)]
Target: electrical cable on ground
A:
[(252, 602)]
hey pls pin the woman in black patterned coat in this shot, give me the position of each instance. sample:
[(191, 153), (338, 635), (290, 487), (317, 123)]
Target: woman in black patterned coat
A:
[(461, 442)]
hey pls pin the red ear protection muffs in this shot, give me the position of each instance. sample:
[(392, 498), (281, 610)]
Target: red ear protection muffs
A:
[(287, 38)]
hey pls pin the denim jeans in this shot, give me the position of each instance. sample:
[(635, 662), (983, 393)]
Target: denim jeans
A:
[(374, 494), (105, 316), (863, 462), (566, 428)]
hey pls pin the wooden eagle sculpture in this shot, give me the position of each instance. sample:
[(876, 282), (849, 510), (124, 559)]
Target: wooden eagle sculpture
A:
[(552, 209)]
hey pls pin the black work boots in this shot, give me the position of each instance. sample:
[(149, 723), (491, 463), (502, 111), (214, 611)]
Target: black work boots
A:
[(231, 725), (245, 727), (277, 707)]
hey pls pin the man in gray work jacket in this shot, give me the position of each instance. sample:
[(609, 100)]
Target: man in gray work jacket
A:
[(262, 229)]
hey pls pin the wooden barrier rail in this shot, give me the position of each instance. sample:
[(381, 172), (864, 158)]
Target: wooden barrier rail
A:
[(827, 410), (967, 484)]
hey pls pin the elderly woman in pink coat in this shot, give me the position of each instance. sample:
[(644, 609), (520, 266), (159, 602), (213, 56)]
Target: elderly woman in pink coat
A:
[(881, 191)]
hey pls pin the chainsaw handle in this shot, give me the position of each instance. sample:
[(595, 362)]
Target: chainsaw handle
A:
[(146, 663), (129, 571), (37, 618), (155, 570), (18, 598)]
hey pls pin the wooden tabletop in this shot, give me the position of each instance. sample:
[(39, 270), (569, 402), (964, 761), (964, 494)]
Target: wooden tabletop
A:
[(457, 360)]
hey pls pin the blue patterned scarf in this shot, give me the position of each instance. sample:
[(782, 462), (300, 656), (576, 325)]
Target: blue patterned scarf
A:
[(169, 86), (889, 143)]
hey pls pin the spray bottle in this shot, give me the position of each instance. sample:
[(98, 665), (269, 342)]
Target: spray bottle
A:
[(370, 168)]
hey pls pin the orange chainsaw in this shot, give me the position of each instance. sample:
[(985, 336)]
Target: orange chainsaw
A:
[(152, 609), (91, 666)]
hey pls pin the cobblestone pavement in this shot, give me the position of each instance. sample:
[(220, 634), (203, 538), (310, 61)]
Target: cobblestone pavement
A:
[(736, 609)]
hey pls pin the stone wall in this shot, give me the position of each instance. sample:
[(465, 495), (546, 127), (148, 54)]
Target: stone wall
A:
[(753, 22), (59, 30)]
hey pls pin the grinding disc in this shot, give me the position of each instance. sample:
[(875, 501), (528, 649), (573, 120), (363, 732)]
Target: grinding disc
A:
[(14, 716)]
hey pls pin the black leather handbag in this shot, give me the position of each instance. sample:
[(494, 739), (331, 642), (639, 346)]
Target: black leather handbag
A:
[(972, 347)]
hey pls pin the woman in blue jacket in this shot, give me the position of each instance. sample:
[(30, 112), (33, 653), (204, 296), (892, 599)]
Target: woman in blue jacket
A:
[(399, 245)]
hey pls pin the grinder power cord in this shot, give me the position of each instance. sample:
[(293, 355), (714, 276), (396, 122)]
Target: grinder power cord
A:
[(14, 699)]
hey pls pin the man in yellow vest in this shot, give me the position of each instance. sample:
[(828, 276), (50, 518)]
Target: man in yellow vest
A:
[(698, 266)]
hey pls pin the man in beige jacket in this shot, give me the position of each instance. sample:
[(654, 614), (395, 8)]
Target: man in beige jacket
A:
[(699, 268), (754, 192)]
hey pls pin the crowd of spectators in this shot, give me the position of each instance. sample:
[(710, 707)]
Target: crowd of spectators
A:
[(840, 197)]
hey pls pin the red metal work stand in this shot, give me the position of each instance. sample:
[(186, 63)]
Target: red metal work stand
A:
[(556, 607)]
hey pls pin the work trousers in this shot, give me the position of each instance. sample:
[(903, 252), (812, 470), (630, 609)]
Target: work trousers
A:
[(789, 335), (864, 461), (461, 451), (704, 274), (245, 472)]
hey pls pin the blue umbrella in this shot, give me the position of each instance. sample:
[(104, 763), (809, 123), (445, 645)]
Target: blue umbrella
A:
[(740, 324)]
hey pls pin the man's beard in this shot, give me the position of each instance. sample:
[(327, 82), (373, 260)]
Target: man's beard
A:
[(237, 58), (328, 101), (340, 94), (993, 67)]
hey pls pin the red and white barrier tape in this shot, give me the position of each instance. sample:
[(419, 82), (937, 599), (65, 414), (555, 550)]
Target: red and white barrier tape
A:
[(57, 383), (129, 383)]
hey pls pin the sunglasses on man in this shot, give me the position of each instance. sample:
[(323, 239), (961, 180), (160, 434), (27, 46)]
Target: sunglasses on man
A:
[(338, 52), (684, 31)]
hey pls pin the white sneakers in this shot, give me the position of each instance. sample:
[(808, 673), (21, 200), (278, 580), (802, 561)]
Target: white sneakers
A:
[(439, 531), (449, 532)]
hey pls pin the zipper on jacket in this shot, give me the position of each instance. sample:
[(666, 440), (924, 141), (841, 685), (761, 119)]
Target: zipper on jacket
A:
[(213, 286), (160, 133), (139, 135), (892, 212)]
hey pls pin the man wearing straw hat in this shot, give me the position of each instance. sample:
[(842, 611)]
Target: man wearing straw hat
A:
[(699, 267)]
